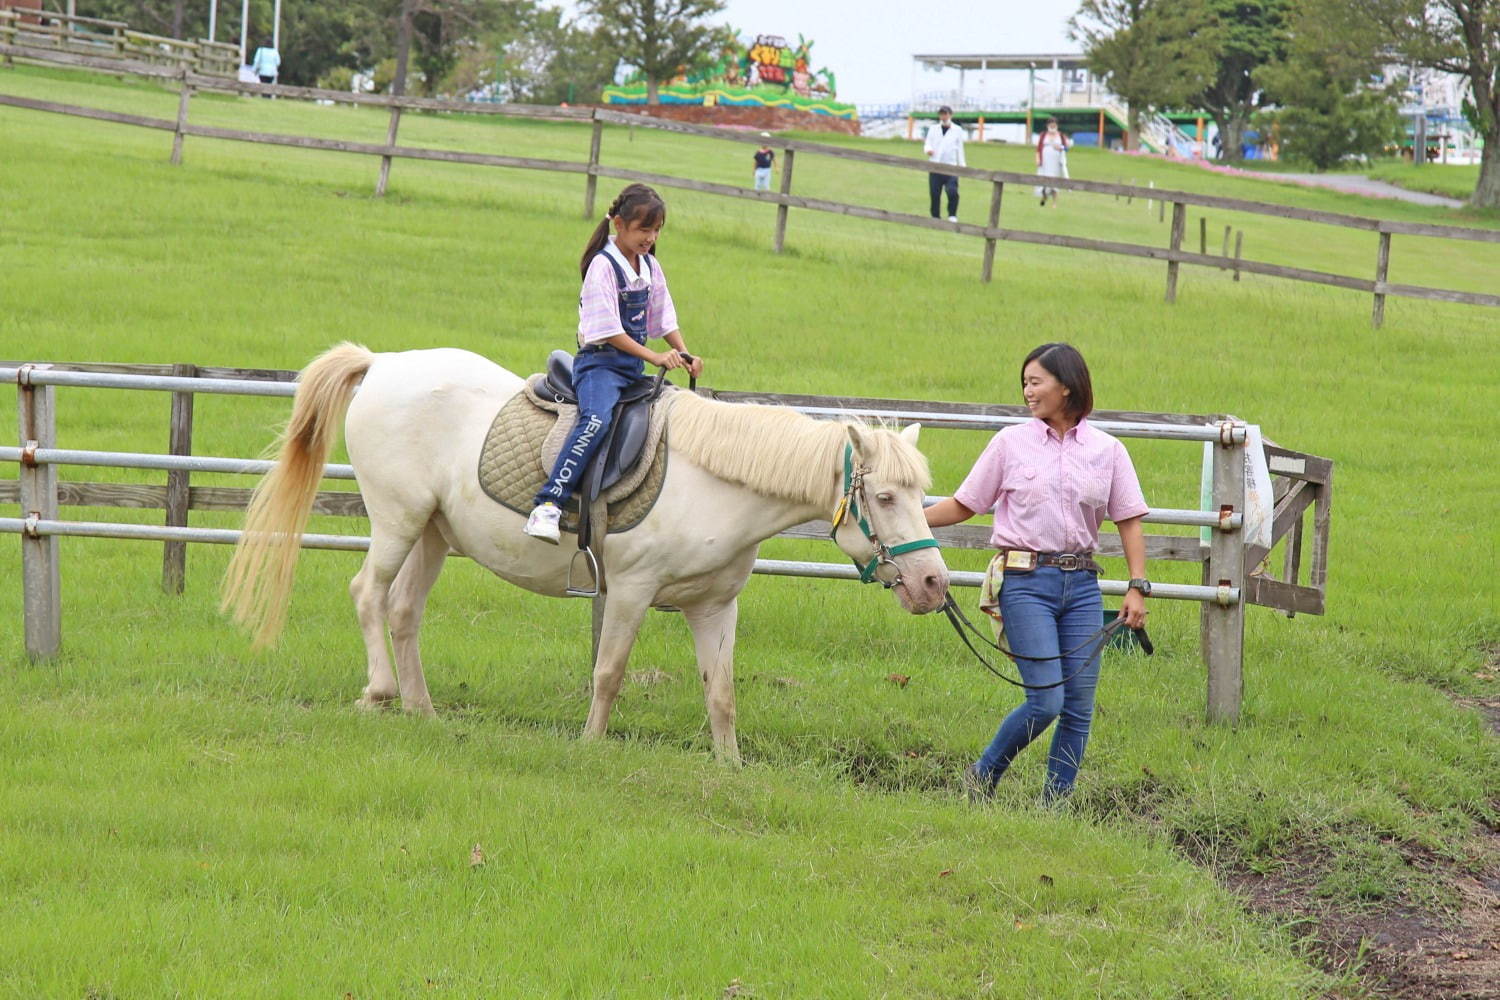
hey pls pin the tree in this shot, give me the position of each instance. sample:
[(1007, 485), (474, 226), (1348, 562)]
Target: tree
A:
[(1328, 106), (658, 36), (1245, 35), (556, 61), (1146, 51), (1453, 36)]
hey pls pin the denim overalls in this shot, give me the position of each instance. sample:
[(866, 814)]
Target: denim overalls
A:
[(600, 373)]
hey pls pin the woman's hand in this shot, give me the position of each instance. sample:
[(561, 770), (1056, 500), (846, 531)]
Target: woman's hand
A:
[(1134, 610)]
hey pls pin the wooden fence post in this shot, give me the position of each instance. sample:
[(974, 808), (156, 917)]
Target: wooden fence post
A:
[(989, 241), (1382, 267), (184, 95), (592, 187), (180, 442), (1203, 235), (1179, 224), (786, 188), (1239, 244), (390, 140), (1225, 252), (40, 578), (1223, 625)]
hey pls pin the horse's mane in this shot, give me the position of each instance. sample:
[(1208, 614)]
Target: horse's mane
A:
[(779, 452)]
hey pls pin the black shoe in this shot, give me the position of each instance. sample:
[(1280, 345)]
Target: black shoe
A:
[(977, 788)]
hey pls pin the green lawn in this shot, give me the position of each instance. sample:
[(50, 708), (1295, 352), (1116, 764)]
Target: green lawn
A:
[(179, 816), (1452, 180)]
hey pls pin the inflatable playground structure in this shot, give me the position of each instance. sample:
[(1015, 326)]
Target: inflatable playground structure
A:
[(767, 72)]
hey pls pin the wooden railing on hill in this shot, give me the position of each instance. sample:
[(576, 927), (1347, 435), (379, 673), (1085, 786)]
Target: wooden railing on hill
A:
[(1174, 255), (113, 40)]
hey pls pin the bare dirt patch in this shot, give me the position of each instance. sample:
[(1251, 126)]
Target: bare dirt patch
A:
[(1401, 950), (1398, 949)]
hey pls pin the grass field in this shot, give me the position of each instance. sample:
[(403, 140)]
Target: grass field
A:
[(181, 817), (1452, 180)]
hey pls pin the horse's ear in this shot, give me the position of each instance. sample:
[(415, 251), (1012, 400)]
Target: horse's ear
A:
[(858, 436), (909, 433)]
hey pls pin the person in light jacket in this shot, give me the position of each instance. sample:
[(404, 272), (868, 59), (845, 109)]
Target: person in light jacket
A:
[(267, 64), (945, 144)]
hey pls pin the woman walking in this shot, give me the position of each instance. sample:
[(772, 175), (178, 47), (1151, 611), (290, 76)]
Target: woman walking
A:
[(1050, 482), (1051, 158)]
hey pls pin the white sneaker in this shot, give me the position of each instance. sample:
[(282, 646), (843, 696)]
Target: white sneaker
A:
[(543, 523), (952, 218)]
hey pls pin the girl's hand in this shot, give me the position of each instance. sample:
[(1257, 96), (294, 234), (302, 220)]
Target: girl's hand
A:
[(668, 359), (1134, 609), (696, 368)]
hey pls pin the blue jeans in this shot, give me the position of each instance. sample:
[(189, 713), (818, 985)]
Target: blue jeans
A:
[(598, 380), (1048, 611)]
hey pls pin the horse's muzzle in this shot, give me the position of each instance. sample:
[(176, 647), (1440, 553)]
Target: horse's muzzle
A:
[(923, 584)]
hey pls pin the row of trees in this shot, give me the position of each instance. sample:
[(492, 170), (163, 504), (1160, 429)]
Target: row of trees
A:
[(1310, 69), (521, 49)]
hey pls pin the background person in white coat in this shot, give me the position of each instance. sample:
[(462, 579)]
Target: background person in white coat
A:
[(267, 64), (945, 144)]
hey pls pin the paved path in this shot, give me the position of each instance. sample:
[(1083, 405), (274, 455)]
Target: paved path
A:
[(1360, 184)]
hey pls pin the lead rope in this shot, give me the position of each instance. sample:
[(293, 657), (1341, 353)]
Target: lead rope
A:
[(963, 626)]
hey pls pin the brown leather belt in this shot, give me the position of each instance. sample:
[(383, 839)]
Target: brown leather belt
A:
[(1065, 561)]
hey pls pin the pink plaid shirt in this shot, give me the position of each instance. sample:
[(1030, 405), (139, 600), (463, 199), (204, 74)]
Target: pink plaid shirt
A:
[(1049, 494), (599, 305)]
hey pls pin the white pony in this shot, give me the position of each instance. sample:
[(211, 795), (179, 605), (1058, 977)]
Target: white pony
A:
[(736, 475)]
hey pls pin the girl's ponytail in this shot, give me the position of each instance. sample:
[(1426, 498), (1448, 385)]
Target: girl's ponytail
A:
[(596, 243), (636, 202)]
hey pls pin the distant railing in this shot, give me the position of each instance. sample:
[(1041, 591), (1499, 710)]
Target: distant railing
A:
[(113, 40), (1174, 254)]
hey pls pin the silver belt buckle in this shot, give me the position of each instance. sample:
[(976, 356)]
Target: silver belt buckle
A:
[(1067, 561)]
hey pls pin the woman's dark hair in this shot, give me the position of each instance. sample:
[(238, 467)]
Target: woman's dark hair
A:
[(637, 203), (1069, 368), (1053, 121)]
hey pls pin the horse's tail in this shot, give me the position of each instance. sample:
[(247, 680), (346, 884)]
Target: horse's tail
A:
[(258, 585)]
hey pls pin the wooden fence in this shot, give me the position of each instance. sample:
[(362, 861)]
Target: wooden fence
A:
[(1234, 573), (113, 41), (1173, 254)]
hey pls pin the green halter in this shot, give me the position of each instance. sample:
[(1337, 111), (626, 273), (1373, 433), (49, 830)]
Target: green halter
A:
[(848, 507)]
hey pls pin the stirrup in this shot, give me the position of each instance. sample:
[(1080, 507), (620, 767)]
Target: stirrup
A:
[(593, 560)]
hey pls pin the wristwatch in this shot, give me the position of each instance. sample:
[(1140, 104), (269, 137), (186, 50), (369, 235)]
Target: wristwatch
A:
[(1141, 584)]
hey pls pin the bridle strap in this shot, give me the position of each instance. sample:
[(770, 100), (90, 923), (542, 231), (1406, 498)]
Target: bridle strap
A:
[(848, 507)]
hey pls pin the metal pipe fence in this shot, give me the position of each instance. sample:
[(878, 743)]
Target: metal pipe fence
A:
[(1222, 595)]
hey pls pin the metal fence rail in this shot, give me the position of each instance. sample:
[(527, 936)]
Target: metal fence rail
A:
[(37, 528), (1222, 596)]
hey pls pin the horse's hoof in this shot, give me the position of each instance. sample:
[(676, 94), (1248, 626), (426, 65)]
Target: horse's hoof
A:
[(373, 702), (425, 711)]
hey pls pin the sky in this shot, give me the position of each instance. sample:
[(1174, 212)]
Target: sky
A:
[(869, 44)]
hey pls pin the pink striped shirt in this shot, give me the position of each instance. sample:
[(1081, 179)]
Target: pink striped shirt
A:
[(1049, 494), (599, 304)]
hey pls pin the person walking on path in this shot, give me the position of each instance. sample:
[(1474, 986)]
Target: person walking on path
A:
[(765, 158), (623, 303), (1050, 482), (267, 64), (1051, 158), (944, 145)]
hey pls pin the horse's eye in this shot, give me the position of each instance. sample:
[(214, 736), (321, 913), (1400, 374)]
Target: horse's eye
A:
[(886, 497)]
